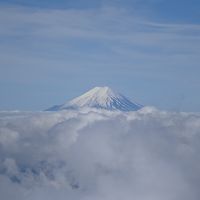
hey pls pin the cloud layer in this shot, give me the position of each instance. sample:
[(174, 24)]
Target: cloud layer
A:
[(93, 155)]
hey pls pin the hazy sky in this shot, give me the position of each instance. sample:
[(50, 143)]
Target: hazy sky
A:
[(51, 51)]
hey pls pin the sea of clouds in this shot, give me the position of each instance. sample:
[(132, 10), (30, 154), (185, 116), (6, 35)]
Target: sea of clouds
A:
[(100, 155)]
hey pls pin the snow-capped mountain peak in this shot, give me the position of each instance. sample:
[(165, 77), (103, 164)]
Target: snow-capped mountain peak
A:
[(97, 95), (100, 98)]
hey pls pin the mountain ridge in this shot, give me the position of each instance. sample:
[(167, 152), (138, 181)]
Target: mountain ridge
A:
[(99, 98)]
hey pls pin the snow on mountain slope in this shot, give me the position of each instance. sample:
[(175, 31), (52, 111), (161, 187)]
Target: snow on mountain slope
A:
[(100, 98)]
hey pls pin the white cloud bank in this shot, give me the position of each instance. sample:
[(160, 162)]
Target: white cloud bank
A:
[(93, 155)]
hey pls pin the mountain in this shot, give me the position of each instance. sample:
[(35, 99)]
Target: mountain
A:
[(100, 98)]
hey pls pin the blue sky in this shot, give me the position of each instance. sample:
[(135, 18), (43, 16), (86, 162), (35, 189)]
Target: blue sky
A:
[(52, 51)]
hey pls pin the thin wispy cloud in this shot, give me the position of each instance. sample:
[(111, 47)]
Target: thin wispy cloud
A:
[(105, 24), (109, 28)]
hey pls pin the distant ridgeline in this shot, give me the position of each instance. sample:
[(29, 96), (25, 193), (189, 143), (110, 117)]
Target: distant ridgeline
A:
[(99, 98)]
